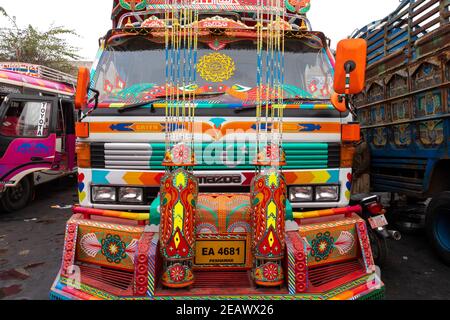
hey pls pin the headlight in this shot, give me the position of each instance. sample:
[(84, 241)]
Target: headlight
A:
[(131, 195), (327, 193), (301, 194), (104, 194)]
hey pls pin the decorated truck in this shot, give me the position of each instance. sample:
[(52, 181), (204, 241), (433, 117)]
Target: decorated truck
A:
[(215, 153), (404, 112), (37, 132)]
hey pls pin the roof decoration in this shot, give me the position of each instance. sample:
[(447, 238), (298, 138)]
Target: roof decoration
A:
[(38, 72), (295, 6), (298, 6), (133, 5), (22, 80), (138, 10)]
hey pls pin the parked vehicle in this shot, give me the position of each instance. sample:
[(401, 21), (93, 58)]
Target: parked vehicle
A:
[(404, 112), (175, 200), (374, 214), (37, 132)]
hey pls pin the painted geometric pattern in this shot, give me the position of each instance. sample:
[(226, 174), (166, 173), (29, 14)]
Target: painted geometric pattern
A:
[(179, 196), (331, 245), (312, 177), (297, 263), (366, 249), (142, 264), (220, 214), (269, 194), (106, 247), (154, 178), (69, 245)]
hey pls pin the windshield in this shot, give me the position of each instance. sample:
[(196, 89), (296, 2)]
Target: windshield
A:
[(135, 71)]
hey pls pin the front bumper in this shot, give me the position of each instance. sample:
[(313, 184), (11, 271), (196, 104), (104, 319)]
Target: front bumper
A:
[(365, 288)]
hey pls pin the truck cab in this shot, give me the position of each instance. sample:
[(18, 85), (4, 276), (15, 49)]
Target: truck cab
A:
[(121, 228)]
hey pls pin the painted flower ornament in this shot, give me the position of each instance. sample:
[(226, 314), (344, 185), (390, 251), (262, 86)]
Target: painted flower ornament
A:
[(180, 155), (271, 155)]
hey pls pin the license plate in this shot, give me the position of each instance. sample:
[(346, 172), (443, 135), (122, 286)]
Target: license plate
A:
[(378, 221), (220, 253)]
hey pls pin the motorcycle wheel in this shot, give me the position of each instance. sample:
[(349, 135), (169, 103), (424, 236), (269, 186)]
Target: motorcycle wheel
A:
[(379, 247)]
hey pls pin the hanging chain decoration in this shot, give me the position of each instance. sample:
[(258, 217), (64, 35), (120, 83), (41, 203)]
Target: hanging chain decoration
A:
[(271, 21), (179, 187), (269, 191), (181, 42)]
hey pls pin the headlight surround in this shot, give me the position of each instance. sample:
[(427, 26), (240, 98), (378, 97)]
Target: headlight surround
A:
[(327, 193), (301, 194), (104, 194), (131, 195)]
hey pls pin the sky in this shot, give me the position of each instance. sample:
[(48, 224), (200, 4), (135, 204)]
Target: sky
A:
[(91, 18)]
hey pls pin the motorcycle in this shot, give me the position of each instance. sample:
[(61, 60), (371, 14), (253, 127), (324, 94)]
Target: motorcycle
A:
[(375, 216)]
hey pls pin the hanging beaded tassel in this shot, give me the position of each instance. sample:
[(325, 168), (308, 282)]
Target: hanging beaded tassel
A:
[(179, 187), (269, 191)]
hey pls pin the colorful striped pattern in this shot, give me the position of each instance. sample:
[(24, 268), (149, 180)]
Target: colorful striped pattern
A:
[(87, 212), (152, 179), (327, 212), (104, 225), (152, 267), (313, 177), (348, 287), (291, 266)]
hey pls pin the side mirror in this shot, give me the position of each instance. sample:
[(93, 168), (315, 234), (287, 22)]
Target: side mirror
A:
[(351, 63), (81, 94)]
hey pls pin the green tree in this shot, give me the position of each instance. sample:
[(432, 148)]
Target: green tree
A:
[(29, 45)]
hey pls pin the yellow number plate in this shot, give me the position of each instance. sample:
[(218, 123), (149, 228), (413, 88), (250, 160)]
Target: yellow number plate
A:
[(220, 253)]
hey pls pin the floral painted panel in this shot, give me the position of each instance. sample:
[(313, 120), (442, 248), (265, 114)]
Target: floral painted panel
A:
[(380, 137), (429, 103), (402, 135), (431, 133), (375, 93), (400, 110), (380, 114), (426, 76), (397, 86)]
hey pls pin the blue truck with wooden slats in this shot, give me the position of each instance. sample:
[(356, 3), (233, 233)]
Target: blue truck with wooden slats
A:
[(404, 110)]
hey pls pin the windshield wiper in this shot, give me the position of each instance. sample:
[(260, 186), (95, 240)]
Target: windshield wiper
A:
[(203, 94), (162, 99), (140, 105), (254, 106)]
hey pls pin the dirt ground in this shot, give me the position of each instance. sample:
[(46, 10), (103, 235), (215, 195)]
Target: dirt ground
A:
[(31, 243)]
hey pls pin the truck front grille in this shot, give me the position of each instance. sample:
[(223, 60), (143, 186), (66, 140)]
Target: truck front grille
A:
[(215, 156)]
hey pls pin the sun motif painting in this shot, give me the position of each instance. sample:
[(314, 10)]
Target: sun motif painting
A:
[(216, 67)]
